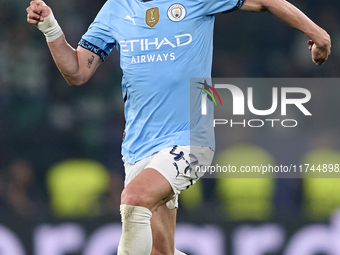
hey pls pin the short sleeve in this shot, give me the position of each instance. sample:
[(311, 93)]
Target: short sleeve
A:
[(98, 37), (216, 6)]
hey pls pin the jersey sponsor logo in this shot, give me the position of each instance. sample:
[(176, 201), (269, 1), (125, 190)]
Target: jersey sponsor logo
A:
[(128, 17), (155, 44), (176, 12), (152, 17), (153, 58), (146, 44)]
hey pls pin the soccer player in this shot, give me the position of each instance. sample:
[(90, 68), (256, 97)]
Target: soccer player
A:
[(162, 44)]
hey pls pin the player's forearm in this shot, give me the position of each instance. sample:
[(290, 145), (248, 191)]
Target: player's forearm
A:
[(291, 15), (320, 44), (67, 61), (297, 19), (77, 66)]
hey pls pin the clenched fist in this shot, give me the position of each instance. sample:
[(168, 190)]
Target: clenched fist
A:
[(39, 14), (319, 53), (37, 11)]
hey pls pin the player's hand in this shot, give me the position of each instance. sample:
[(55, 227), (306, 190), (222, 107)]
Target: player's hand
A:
[(39, 14), (319, 53), (37, 11)]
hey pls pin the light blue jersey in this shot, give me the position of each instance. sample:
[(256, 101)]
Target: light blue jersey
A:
[(162, 44)]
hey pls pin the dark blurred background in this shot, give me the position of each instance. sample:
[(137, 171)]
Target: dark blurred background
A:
[(47, 126)]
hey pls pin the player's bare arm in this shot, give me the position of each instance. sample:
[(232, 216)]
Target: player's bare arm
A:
[(320, 44), (76, 65)]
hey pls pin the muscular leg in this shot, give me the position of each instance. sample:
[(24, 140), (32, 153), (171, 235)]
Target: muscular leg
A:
[(141, 197), (163, 223), (148, 189)]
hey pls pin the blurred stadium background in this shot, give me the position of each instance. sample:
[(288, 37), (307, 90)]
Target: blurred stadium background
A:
[(60, 166)]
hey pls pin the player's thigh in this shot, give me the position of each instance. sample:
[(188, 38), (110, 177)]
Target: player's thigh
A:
[(163, 223), (181, 166), (148, 189), (162, 176)]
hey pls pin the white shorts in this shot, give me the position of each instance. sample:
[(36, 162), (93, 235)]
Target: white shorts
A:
[(178, 164)]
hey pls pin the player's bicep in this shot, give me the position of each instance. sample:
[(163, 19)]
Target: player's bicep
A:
[(254, 6), (88, 61)]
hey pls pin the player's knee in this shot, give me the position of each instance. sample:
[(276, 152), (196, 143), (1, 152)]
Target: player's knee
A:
[(135, 197)]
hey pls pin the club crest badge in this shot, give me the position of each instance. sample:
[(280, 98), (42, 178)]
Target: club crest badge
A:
[(152, 17), (176, 12)]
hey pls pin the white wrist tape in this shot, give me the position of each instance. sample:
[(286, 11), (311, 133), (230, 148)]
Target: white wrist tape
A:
[(50, 28)]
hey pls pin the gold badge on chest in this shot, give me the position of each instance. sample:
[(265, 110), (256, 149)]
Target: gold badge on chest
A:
[(152, 16)]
